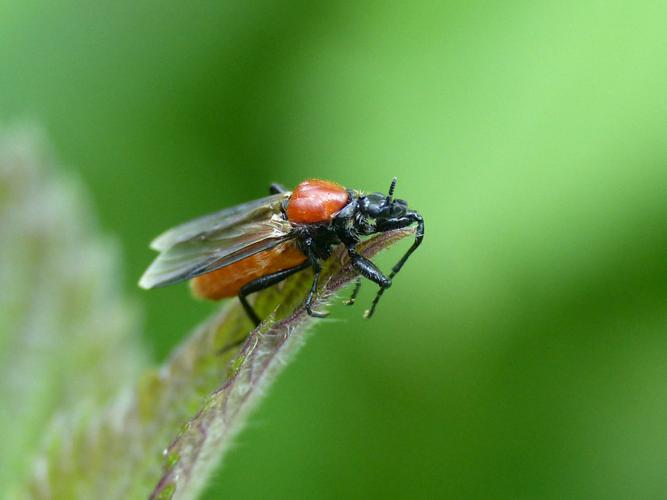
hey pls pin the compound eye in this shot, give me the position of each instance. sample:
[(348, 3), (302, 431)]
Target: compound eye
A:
[(397, 211), (373, 210), (372, 204), (397, 208)]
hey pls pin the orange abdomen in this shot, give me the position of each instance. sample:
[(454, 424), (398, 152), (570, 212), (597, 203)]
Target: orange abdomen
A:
[(227, 281), (316, 200)]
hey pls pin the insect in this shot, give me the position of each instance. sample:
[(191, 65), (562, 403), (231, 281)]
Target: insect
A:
[(247, 248)]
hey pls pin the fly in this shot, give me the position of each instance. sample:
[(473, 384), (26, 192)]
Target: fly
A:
[(252, 246)]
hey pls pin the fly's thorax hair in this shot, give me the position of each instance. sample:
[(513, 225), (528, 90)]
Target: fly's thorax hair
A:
[(363, 225)]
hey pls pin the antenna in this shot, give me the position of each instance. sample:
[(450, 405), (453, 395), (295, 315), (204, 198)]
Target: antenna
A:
[(391, 190)]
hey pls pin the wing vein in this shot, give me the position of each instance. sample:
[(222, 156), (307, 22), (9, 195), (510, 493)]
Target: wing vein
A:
[(217, 240)]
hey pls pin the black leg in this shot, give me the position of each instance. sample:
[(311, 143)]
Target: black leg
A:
[(276, 188), (398, 223), (355, 292), (367, 269), (370, 271), (265, 282), (313, 289)]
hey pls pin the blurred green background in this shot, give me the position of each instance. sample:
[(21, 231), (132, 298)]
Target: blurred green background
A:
[(522, 352)]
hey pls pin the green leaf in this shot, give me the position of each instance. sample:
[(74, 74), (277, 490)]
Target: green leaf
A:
[(190, 459), (84, 423), (68, 340)]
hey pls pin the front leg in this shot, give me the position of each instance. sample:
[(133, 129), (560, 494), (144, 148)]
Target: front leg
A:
[(397, 223), (367, 269)]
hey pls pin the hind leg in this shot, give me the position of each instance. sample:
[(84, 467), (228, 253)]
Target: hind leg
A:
[(265, 282)]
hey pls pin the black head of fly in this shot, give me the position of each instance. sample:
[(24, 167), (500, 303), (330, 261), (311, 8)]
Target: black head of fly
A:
[(383, 207), (378, 213)]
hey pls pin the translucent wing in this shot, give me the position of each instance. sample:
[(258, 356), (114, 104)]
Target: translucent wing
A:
[(218, 221), (217, 240)]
